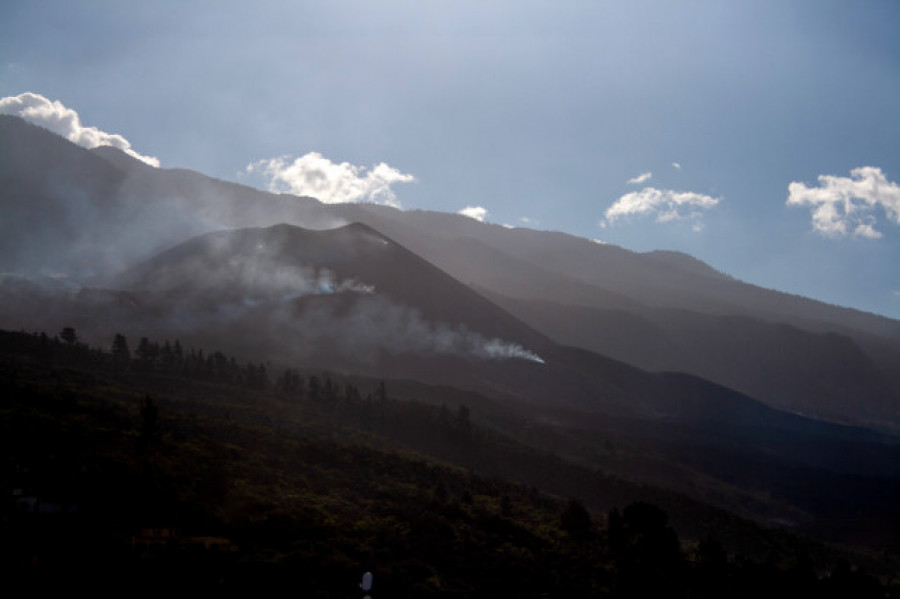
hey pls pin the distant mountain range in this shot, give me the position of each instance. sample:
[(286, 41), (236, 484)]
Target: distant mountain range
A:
[(403, 292)]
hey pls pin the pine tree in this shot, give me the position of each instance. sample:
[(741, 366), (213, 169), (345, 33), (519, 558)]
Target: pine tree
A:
[(69, 336), (314, 388), (150, 432), (576, 520), (120, 353)]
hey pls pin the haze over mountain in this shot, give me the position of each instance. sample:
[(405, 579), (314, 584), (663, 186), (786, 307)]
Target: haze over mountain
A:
[(667, 311), (350, 286), (88, 215)]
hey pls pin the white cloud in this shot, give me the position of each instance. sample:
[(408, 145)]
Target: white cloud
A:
[(314, 175), (640, 178), (848, 205), (677, 165), (65, 121), (476, 212), (666, 204)]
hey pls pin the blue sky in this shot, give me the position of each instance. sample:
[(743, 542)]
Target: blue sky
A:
[(539, 113)]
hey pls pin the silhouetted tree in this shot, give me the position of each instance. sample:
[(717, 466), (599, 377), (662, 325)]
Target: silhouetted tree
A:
[(464, 423), (289, 383), (146, 353), (575, 520), (150, 430), (120, 353), (69, 336), (711, 553), (711, 577), (329, 392), (166, 356), (252, 376), (314, 388), (352, 395), (650, 563), (845, 581), (615, 531)]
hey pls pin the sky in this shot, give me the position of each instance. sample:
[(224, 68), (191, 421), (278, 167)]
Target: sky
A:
[(761, 137)]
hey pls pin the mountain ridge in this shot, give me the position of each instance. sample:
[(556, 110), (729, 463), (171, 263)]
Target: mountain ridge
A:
[(641, 308)]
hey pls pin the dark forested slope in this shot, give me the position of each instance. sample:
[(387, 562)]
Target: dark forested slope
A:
[(179, 467)]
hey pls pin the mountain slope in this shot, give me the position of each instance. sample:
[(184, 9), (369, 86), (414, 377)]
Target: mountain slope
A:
[(285, 262), (352, 299), (667, 311), (654, 279), (790, 368), (72, 212), (81, 213)]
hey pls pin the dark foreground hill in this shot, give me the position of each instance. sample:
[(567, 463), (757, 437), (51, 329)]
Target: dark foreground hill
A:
[(165, 470)]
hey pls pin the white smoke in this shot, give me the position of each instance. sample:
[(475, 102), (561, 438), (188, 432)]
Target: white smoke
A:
[(374, 323), (286, 285), (246, 275), (497, 349), (287, 282)]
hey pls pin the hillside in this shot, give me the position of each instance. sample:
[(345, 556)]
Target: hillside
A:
[(311, 479), (79, 213), (668, 312)]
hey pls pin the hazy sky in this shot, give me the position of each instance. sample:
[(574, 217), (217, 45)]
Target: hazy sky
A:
[(671, 125)]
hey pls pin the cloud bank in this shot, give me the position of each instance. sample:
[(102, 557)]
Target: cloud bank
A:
[(54, 116), (844, 206), (666, 204), (643, 177), (476, 212), (316, 176)]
